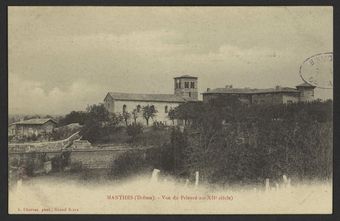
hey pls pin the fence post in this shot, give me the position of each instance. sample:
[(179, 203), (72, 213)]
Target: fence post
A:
[(196, 178), (288, 182), (267, 185), (154, 176), (277, 186)]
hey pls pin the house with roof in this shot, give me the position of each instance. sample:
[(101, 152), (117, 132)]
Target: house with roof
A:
[(185, 90), (279, 95), (32, 127)]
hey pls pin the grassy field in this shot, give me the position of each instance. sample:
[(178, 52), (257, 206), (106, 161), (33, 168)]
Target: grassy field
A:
[(60, 195)]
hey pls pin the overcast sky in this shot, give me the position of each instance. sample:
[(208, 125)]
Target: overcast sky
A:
[(63, 58)]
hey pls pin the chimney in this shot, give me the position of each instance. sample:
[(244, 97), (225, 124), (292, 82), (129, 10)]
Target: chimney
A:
[(229, 86), (277, 87), (208, 89)]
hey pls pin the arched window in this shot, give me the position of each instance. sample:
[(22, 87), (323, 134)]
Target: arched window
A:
[(124, 108), (138, 108), (166, 109)]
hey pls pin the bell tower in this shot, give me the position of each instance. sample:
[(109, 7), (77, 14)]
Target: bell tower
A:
[(186, 86)]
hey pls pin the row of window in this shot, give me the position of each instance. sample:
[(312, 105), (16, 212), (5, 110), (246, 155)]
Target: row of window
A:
[(138, 108), (186, 84)]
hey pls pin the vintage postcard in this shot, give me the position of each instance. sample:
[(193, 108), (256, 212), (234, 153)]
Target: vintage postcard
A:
[(170, 110)]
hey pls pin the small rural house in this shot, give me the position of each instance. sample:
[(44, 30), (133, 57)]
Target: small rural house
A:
[(32, 127)]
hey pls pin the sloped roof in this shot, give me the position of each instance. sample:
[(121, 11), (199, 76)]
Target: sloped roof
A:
[(36, 121), (305, 84), (186, 76), (251, 90), (147, 97)]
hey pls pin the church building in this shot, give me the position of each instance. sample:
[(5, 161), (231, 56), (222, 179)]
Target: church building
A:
[(185, 90)]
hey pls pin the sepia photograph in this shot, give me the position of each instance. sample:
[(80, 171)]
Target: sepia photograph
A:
[(170, 110)]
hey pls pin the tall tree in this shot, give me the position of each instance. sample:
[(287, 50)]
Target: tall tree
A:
[(172, 116), (134, 114), (149, 111), (126, 116)]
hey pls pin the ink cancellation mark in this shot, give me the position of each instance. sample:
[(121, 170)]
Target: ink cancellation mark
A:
[(317, 70)]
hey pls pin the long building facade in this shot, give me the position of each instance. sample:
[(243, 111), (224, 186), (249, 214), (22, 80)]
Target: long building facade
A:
[(280, 95)]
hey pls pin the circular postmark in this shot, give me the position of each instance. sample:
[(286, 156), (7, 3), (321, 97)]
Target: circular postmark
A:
[(317, 70)]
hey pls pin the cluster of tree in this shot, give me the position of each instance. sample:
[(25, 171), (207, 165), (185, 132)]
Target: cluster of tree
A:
[(148, 111), (228, 141), (73, 117), (172, 155), (98, 123)]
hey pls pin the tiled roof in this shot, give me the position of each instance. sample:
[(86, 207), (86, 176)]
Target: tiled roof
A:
[(305, 84), (251, 90), (37, 121), (186, 76), (147, 97)]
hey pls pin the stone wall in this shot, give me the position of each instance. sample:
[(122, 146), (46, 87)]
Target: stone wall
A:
[(87, 158), (99, 158)]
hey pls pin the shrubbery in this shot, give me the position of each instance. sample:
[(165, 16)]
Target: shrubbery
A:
[(129, 163), (158, 125), (99, 124), (134, 130), (231, 142), (227, 141)]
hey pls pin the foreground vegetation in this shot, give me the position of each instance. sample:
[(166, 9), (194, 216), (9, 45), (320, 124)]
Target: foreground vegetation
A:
[(229, 142), (226, 141)]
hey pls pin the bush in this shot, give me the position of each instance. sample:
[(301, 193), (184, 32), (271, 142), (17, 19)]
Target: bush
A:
[(134, 130), (154, 138), (99, 124), (74, 117), (129, 163), (158, 125), (64, 132)]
